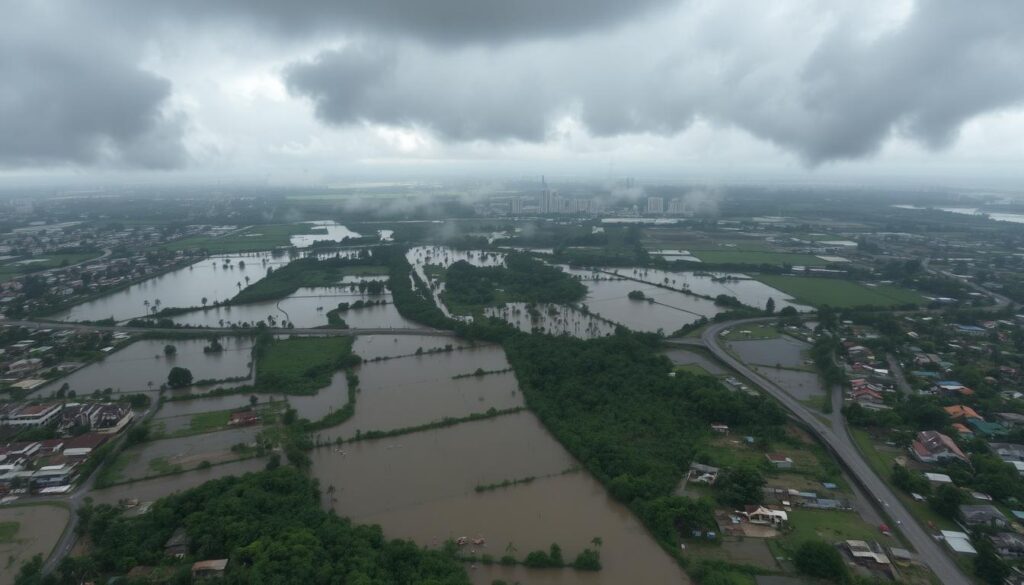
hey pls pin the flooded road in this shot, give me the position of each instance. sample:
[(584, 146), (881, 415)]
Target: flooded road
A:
[(142, 365), (216, 278)]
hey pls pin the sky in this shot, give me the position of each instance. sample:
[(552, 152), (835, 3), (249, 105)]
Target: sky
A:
[(330, 91)]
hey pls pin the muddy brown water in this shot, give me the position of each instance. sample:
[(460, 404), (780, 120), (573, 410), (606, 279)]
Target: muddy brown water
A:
[(154, 489), (416, 390), (184, 287), (422, 487), (39, 528), (142, 366), (188, 452)]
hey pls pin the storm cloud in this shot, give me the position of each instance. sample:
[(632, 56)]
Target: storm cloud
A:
[(70, 102), (840, 97)]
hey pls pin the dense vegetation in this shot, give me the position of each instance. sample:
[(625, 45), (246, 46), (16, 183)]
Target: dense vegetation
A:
[(523, 278), (613, 405), (300, 365), (271, 528), (304, 272)]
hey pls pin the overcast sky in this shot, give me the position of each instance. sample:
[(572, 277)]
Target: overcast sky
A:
[(335, 90)]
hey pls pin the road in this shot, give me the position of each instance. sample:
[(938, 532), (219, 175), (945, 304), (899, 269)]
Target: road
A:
[(837, 438), (31, 324)]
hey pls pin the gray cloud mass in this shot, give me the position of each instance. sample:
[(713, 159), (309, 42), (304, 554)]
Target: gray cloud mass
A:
[(947, 63)]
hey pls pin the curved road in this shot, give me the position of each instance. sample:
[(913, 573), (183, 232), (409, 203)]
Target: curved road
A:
[(838, 439)]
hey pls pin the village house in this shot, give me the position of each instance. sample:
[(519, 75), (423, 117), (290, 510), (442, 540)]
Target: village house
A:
[(934, 447), (1009, 545), (32, 415), (243, 418), (983, 515), (779, 461), (208, 569), (765, 516)]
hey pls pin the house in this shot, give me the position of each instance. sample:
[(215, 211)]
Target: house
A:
[(985, 428), (959, 542), (25, 366), (1009, 545), (779, 461), (84, 445), (700, 473), (720, 428), (209, 569), (765, 516), (243, 418), (938, 478), (177, 545), (961, 412), (869, 554), (983, 515), (951, 388), (972, 330), (1010, 419), (963, 430), (934, 447), (1008, 451), (32, 415), (107, 418)]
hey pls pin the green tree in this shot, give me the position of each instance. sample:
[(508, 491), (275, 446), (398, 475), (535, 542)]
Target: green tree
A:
[(818, 558), (987, 564), (170, 350), (946, 500), (739, 486), (179, 377), (770, 305)]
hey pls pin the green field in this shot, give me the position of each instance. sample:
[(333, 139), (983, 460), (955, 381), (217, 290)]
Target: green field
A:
[(8, 530), (839, 293), (301, 365), (756, 331), (757, 258), (250, 239), (830, 526)]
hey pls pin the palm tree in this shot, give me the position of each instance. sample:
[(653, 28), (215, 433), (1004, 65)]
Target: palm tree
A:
[(204, 301), (239, 285)]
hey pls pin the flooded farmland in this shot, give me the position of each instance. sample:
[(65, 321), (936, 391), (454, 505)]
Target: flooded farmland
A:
[(305, 308), (669, 310), (142, 365), (156, 457), (38, 529), (154, 489), (782, 360), (216, 278), (323, 231), (370, 347), (552, 319), (416, 390), (423, 487)]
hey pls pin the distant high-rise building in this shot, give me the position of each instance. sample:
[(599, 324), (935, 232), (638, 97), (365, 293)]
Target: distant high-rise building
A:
[(675, 206), (655, 205), (516, 206)]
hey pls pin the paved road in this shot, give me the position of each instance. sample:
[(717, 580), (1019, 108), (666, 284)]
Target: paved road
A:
[(836, 436), (30, 324), (897, 374)]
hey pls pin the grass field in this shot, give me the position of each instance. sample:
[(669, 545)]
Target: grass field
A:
[(830, 526), (839, 293), (301, 365), (251, 239), (756, 258), (8, 530)]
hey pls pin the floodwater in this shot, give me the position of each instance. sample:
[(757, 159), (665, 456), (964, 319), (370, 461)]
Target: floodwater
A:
[(552, 319), (323, 231), (188, 452), (800, 385), (423, 487), (142, 366), (305, 308), (39, 528), (370, 347), (154, 489), (216, 278), (670, 311), (782, 350), (445, 256), (416, 390), (187, 408), (749, 291)]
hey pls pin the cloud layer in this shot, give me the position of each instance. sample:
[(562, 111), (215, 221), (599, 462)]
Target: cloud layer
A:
[(830, 95)]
